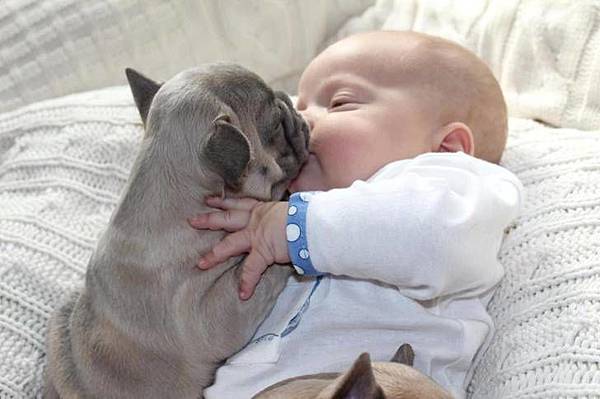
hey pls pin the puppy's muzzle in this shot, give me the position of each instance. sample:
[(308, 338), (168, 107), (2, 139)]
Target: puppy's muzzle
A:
[(296, 130)]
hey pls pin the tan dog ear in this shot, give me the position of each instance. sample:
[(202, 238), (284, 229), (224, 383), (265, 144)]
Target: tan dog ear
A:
[(227, 152), (359, 382), (143, 89), (404, 355)]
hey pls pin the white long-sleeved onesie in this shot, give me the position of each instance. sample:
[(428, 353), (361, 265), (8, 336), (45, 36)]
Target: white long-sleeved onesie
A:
[(409, 256)]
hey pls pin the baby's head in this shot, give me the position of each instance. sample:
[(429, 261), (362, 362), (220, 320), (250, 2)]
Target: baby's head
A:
[(377, 97)]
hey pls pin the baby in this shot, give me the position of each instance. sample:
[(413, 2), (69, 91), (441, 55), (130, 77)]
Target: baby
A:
[(394, 223)]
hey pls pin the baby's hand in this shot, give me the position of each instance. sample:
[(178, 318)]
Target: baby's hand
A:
[(256, 227)]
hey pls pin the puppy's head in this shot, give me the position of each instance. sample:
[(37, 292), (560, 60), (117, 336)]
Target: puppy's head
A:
[(244, 137)]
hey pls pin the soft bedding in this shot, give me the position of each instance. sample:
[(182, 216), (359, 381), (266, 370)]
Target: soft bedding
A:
[(64, 161), (52, 48)]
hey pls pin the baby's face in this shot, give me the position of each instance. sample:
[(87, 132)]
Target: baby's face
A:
[(360, 114)]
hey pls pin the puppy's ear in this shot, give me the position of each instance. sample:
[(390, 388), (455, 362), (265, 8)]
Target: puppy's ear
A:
[(359, 382), (143, 89), (404, 355), (227, 151)]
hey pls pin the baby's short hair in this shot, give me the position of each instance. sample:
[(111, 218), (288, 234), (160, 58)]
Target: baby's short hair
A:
[(462, 88)]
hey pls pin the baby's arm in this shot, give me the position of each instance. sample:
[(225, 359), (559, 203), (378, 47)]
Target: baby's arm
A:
[(433, 228)]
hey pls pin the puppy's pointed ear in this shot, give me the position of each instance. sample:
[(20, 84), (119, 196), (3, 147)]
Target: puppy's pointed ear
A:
[(227, 151), (404, 355), (143, 89), (359, 382)]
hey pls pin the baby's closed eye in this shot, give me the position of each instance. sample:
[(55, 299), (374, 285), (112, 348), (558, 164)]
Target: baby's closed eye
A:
[(341, 103)]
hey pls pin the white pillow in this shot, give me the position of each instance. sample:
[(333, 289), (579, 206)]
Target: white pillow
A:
[(546, 309), (52, 48)]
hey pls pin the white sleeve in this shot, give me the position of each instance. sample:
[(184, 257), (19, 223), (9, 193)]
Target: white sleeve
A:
[(433, 229)]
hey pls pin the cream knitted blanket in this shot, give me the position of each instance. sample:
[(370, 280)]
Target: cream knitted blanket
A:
[(52, 48), (63, 163), (547, 308), (62, 166)]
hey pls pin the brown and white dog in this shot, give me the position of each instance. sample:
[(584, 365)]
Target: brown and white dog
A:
[(396, 379), (148, 323)]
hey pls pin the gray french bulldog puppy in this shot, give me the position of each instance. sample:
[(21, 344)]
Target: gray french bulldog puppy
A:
[(149, 323)]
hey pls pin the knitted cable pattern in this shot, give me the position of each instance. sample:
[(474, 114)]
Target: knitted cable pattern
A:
[(64, 162), (52, 48), (547, 308)]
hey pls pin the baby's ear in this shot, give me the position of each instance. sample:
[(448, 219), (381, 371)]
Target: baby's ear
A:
[(454, 137), (227, 151), (359, 382)]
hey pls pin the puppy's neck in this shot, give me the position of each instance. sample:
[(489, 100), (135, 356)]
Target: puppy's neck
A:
[(161, 194)]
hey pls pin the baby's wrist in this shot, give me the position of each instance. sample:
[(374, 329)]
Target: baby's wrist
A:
[(296, 234)]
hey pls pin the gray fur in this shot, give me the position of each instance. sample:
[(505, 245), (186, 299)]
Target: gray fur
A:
[(145, 90), (148, 323)]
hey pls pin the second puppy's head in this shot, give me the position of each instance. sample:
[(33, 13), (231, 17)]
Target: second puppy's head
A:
[(396, 379), (244, 137)]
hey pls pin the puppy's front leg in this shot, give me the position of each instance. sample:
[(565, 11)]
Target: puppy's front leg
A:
[(217, 322), (222, 306)]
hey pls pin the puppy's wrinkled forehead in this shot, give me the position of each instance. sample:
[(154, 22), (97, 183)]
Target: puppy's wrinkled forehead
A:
[(230, 84), (238, 87), (214, 89)]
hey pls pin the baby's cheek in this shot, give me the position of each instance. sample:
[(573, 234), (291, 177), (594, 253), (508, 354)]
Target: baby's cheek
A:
[(343, 160)]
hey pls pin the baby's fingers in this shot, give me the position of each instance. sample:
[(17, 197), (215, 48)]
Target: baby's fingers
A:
[(252, 269), (232, 245), (242, 204), (232, 220)]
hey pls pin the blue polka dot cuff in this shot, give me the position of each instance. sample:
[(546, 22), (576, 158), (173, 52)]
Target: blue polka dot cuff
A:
[(296, 234)]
